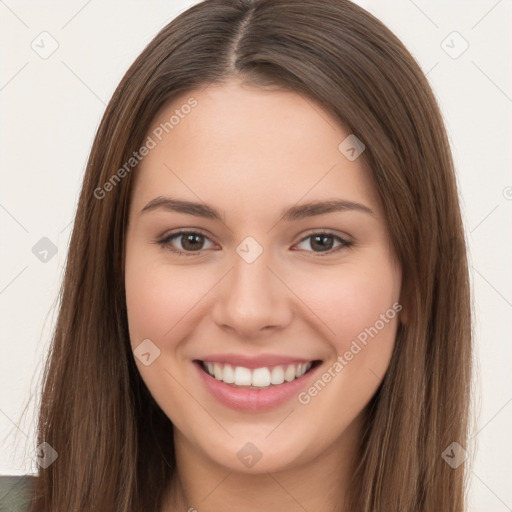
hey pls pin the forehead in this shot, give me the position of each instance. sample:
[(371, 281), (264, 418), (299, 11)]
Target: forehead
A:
[(241, 147)]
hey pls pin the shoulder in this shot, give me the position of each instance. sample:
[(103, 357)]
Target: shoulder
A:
[(15, 492)]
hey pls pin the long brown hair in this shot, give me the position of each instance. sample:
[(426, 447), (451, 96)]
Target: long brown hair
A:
[(114, 444)]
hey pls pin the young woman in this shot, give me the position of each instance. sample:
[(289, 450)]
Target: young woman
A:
[(266, 301)]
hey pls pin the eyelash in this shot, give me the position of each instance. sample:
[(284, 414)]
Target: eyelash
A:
[(165, 243)]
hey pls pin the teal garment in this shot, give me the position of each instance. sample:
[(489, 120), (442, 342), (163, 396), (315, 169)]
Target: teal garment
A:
[(15, 493)]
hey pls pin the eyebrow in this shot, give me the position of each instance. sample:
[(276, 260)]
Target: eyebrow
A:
[(289, 215)]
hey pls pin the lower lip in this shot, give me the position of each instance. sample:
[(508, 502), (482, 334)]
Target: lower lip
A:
[(253, 399)]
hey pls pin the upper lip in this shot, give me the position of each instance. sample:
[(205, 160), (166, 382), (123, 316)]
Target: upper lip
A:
[(253, 362)]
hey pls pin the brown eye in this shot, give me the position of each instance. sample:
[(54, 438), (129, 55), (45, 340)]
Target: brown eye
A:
[(185, 242), (192, 242), (324, 243)]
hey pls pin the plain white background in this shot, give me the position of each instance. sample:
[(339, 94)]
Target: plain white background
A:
[(50, 109)]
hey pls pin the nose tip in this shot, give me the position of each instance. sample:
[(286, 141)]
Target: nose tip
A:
[(250, 300)]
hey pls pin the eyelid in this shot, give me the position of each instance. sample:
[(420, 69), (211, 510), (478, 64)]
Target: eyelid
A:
[(165, 240), (192, 229), (324, 231), (345, 242)]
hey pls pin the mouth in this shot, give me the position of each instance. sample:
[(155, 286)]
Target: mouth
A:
[(262, 378)]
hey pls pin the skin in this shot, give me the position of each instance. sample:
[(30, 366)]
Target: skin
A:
[(250, 153)]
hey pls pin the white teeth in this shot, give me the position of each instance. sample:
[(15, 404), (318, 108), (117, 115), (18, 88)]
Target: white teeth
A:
[(259, 377), (242, 376), (217, 371), (229, 375), (290, 373), (277, 376)]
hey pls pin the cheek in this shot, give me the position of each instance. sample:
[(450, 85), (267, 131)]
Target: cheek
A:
[(158, 300), (352, 299), (158, 297), (361, 307)]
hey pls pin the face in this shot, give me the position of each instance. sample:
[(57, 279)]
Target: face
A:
[(261, 286)]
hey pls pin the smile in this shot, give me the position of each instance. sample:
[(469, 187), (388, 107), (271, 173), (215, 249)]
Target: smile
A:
[(257, 378)]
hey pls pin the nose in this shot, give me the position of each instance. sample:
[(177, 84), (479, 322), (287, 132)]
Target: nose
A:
[(251, 301)]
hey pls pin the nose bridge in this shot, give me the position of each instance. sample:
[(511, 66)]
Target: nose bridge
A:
[(251, 298)]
